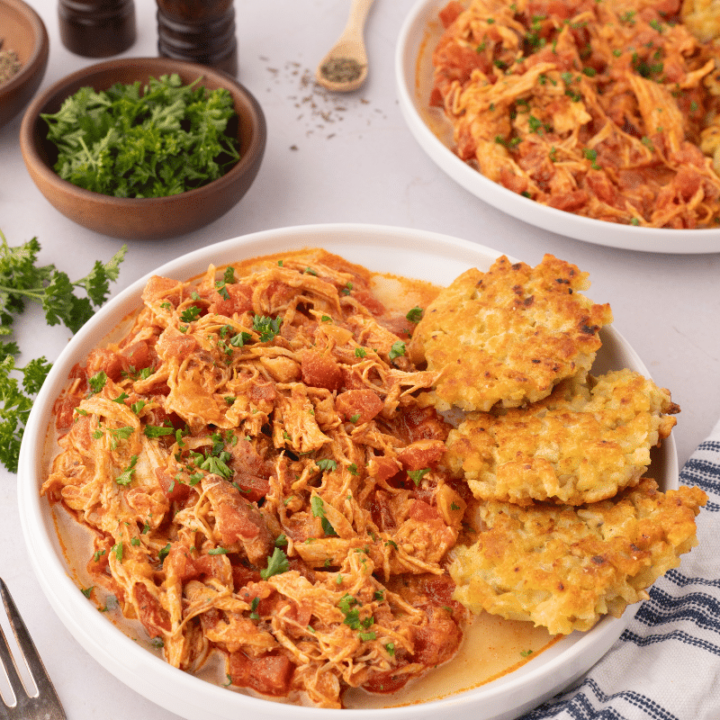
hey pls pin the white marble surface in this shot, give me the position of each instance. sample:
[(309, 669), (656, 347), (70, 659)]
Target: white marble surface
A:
[(334, 159)]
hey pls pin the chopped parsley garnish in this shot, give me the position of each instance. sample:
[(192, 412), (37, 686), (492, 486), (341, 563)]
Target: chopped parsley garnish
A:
[(397, 350), (417, 475), (327, 464), (190, 314), (266, 327), (254, 615), (352, 614), (277, 564), (317, 506), (125, 478), (97, 382), (117, 551), (414, 315), (163, 553), (239, 339), (121, 433), (217, 464), (155, 431)]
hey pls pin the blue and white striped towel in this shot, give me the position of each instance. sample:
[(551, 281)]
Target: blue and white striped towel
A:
[(666, 664)]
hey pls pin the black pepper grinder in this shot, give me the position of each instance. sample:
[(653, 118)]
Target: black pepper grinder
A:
[(97, 28), (201, 31)]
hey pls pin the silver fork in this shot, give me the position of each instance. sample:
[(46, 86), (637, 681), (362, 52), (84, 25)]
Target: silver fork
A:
[(41, 704)]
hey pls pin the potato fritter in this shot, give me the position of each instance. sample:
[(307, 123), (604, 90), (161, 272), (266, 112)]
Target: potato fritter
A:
[(565, 567), (581, 444), (508, 335), (702, 18)]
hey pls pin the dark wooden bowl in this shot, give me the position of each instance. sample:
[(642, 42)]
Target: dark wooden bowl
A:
[(22, 30), (143, 218)]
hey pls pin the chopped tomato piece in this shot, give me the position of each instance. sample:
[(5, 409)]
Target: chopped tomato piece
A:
[(421, 454), (358, 406), (268, 675), (387, 682), (103, 360), (64, 411), (238, 300), (420, 510), (179, 563), (173, 488), (321, 370)]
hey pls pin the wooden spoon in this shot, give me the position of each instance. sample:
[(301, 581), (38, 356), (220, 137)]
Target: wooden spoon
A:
[(345, 67)]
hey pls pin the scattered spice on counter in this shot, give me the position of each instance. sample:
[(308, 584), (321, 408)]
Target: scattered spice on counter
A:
[(9, 65), (320, 111), (341, 70)]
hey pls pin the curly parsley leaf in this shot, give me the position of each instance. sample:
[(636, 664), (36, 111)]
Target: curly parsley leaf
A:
[(23, 280), (16, 400), (151, 140)]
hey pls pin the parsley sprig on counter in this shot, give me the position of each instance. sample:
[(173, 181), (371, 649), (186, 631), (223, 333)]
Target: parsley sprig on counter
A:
[(23, 280), (144, 141)]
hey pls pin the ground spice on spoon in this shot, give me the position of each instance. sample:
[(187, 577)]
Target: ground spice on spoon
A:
[(341, 70)]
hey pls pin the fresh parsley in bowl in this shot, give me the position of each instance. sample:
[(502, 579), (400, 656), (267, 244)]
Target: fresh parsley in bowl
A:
[(144, 141), (147, 148)]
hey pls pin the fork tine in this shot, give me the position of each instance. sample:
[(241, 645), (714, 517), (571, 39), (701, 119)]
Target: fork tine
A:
[(46, 703)]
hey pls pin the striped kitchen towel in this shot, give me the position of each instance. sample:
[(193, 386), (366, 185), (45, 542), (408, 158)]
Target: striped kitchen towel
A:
[(666, 664)]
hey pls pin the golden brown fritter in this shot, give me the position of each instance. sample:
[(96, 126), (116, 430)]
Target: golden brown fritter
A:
[(565, 567), (702, 18), (581, 444), (508, 335)]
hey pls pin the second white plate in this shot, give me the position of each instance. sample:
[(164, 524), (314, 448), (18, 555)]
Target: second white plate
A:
[(413, 70)]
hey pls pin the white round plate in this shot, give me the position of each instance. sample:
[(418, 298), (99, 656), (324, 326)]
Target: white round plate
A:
[(412, 253), (413, 75)]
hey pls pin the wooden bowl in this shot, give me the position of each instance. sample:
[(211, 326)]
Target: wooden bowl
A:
[(22, 30), (143, 218)]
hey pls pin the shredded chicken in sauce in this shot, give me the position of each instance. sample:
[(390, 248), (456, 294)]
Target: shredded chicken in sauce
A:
[(604, 108), (260, 481)]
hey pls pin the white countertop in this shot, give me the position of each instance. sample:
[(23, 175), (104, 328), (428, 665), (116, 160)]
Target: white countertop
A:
[(334, 159)]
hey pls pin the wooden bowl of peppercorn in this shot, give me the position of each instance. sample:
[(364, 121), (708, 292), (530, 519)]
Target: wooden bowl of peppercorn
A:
[(142, 198), (24, 49)]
